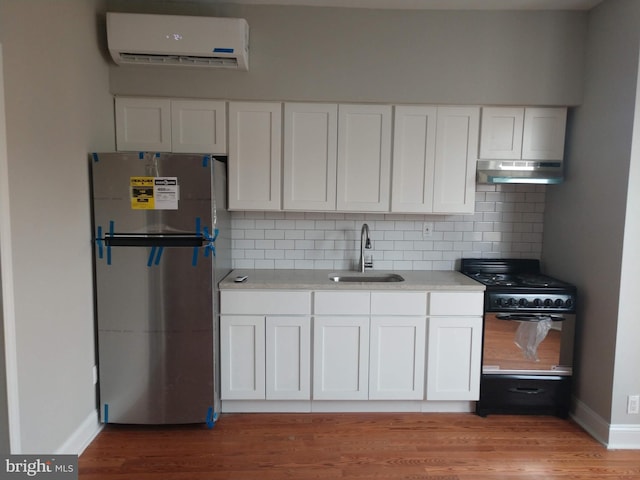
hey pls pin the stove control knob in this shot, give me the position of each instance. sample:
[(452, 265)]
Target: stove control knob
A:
[(537, 302), (503, 302), (523, 302), (512, 302), (559, 302), (569, 303), (548, 302)]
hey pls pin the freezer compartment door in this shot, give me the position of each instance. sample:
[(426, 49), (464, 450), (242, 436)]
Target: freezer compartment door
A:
[(127, 197), (156, 335)]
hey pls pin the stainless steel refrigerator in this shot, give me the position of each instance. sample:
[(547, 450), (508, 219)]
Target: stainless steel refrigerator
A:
[(162, 244)]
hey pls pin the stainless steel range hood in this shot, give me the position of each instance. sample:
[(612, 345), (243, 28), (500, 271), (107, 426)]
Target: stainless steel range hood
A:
[(520, 171)]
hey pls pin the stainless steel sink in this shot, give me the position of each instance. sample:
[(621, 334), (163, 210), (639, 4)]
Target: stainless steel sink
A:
[(365, 277)]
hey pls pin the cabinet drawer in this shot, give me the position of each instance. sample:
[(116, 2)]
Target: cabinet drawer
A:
[(399, 303), (456, 303), (342, 303), (265, 302)]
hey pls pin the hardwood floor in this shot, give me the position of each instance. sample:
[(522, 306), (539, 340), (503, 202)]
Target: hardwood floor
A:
[(357, 446)]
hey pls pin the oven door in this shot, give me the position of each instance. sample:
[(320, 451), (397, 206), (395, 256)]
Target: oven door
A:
[(528, 343)]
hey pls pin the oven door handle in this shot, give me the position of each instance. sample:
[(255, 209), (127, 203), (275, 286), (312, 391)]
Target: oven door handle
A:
[(528, 317), (527, 390)]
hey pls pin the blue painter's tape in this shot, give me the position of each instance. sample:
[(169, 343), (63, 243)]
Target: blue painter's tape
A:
[(205, 161), (140, 155), (106, 413), (159, 255), (95, 157), (194, 258), (111, 230), (210, 247), (211, 417), (222, 50), (152, 254), (100, 243)]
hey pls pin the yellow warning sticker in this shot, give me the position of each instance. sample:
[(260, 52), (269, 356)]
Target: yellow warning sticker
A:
[(142, 193)]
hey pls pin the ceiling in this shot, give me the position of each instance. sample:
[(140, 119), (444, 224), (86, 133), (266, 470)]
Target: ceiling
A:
[(437, 4)]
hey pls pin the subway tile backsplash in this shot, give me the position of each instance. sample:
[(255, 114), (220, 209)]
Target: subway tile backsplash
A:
[(507, 223)]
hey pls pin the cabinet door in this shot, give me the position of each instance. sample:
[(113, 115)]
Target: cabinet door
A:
[(198, 126), (456, 157), (396, 370), (143, 124), (364, 158), (453, 358), (310, 153), (340, 358), (543, 137), (413, 159), (288, 349), (242, 357), (501, 133), (255, 155)]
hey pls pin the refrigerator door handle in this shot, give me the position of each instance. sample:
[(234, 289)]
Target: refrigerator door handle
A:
[(176, 240)]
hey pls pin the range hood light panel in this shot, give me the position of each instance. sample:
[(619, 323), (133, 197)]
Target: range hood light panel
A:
[(545, 172)]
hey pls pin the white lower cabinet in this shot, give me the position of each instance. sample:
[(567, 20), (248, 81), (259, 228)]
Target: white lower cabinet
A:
[(349, 346), (265, 345), (265, 358), (369, 346), (454, 346), (397, 357), (288, 358), (242, 357), (341, 358), (453, 358)]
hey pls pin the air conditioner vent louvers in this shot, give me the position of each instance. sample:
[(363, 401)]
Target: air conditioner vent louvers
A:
[(190, 60)]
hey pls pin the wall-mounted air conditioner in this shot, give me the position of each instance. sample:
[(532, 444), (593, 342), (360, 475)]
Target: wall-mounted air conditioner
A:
[(143, 39)]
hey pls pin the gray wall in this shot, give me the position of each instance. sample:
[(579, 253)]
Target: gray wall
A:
[(58, 109), (4, 419), (361, 55), (591, 225)]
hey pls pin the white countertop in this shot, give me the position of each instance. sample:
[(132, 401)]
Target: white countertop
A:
[(319, 280)]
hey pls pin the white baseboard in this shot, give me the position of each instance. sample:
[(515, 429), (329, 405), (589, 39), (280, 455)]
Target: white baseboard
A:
[(612, 436), (624, 437), (82, 436)]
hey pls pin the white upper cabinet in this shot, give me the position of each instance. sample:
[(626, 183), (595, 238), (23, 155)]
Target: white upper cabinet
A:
[(198, 126), (165, 125), (434, 159), (310, 153), (543, 135), (143, 124), (364, 158), (523, 133), (255, 155), (501, 135), (454, 187), (414, 157)]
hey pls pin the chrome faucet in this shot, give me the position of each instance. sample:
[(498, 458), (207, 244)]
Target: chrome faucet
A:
[(365, 242)]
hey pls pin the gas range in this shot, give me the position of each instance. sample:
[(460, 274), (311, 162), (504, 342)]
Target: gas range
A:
[(516, 285)]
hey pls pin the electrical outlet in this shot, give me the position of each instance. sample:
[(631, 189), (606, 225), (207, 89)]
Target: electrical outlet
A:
[(427, 229), (633, 404)]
